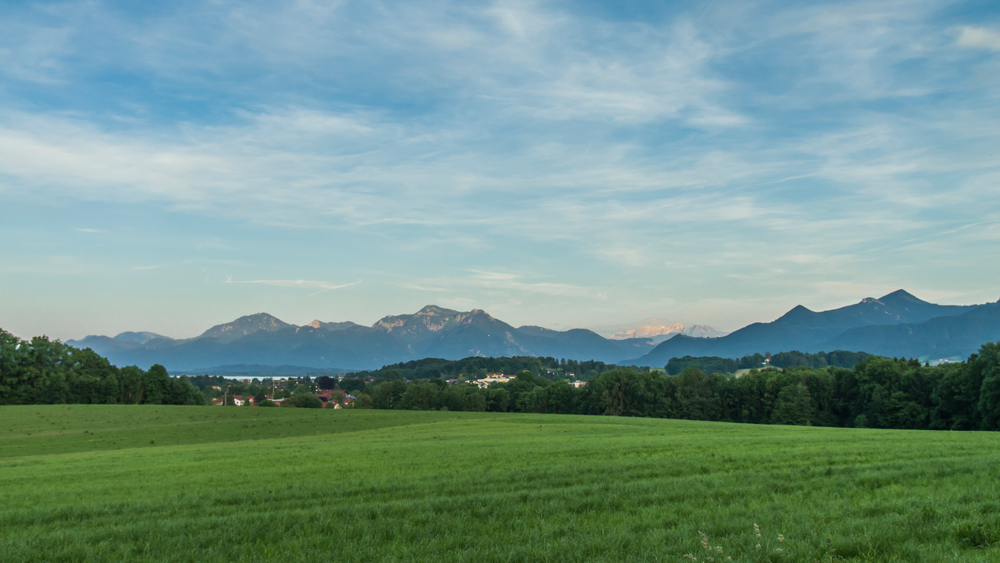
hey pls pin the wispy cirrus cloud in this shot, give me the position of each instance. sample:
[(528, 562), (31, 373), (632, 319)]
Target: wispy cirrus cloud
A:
[(305, 284), (499, 284), (419, 287), (517, 282)]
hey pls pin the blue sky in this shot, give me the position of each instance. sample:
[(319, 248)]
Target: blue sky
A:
[(170, 166)]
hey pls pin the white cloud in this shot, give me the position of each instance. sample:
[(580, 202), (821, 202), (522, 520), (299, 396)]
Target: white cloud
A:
[(508, 281), (978, 38)]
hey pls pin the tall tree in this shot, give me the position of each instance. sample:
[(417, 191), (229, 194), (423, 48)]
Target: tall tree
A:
[(987, 366)]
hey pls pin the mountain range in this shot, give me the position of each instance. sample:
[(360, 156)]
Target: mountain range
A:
[(658, 332), (433, 331), (897, 324)]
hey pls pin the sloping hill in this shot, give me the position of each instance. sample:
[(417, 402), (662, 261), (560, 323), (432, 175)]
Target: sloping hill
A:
[(580, 343)]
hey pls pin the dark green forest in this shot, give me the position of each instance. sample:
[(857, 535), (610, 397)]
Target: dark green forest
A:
[(877, 392), (476, 367), (42, 371), (715, 364)]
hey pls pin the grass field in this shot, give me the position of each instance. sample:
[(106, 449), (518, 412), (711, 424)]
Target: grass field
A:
[(120, 483)]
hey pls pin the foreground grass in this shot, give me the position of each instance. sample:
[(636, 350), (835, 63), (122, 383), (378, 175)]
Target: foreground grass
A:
[(59, 429), (428, 486)]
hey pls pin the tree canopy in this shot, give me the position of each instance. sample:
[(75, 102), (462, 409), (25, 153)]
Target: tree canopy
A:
[(43, 371), (876, 392)]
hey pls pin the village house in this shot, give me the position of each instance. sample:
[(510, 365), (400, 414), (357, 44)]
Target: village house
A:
[(492, 378), (336, 397)]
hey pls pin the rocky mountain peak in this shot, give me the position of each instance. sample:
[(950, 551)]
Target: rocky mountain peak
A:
[(243, 326)]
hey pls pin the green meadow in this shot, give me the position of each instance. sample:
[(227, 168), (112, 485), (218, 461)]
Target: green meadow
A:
[(147, 483)]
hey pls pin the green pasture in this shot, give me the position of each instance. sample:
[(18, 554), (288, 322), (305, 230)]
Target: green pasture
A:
[(239, 484), (51, 429)]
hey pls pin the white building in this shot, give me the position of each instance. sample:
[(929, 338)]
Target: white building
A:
[(492, 378)]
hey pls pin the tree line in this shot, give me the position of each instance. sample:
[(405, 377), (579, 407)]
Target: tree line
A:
[(477, 367), (42, 371), (715, 364), (877, 392)]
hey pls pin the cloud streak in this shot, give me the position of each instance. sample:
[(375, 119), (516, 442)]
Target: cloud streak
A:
[(322, 286)]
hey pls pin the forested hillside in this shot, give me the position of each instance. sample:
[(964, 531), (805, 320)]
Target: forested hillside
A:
[(475, 367), (42, 371), (878, 392)]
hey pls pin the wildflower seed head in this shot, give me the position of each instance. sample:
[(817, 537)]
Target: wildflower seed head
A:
[(758, 546), (781, 538), (778, 550), (718, 549)]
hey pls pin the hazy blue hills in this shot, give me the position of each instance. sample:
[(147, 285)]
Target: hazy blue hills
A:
[(431, 332), (941, 337), (137, 337), (124, 340), (897, 324)]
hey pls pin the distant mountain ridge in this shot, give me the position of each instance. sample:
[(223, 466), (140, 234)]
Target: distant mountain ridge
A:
[(245, 326), (897, 324), (954, 336), (847, 328), (138, 337), (659, 333), (430, 332)]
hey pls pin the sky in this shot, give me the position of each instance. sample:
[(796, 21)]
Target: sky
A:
[(169, 166)]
